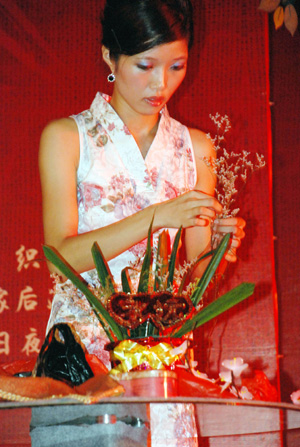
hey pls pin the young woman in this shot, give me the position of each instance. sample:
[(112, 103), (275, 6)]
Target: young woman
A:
[(108, 170)]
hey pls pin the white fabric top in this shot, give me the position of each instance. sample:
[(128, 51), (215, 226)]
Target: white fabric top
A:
[(115, 181)]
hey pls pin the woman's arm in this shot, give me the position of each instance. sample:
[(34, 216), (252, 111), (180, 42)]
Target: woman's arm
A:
[(198, 239), (58, 161)]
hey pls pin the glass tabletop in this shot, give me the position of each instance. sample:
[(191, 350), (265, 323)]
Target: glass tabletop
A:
[(215, 416)]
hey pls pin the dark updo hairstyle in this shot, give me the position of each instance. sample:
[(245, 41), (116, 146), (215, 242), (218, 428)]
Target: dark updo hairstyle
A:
[(132, 26)]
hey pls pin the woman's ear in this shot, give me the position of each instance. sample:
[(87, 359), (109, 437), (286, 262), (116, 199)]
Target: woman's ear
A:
[(107, 59)]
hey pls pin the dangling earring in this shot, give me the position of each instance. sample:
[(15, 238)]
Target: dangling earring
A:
[(111, 77)]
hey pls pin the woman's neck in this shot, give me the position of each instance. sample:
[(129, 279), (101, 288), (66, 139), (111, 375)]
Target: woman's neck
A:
[(142, 127)]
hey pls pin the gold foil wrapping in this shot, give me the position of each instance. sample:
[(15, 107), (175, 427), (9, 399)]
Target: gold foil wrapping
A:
[(129, 354)]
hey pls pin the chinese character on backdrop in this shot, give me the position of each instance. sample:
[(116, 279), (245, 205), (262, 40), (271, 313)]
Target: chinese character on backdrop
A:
[(32, 343), (3, 302), (27, 299), (26, 258), (4, 343)]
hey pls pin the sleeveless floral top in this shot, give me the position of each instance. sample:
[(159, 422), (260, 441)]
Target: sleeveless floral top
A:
[(113, 182)]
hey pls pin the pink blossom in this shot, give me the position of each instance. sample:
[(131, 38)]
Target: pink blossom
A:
[(201, 375), (154, 176), (244, 393), (189, 154), (127, 205), (91, 195), (170, 190), (179, 147), (126, 130), (295, 396), (147, 178), (118, 182), (236, 365), (225, 376)]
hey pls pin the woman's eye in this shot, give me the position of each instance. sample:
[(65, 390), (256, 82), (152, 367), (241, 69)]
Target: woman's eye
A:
[(178, 67), (144, 67)]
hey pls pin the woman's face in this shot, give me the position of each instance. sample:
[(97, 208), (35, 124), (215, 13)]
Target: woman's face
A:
[(146, 81)]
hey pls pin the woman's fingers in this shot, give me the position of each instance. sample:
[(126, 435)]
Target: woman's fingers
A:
[(235, 242), (204, 207), (230, 255), (193, 208), (231, 221), (200, 221), (206, 200), (205, 211), (234, 225)]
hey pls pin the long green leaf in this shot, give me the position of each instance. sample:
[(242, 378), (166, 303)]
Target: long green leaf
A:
[(125, 278), (104, 274), (145, 270), (79, 282), (192, 267), (210, 270), (161, 260), (173, 258), (216, 308)]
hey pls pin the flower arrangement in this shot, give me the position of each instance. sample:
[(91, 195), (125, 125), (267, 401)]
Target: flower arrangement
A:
[(160, 308), (165, 304), (232, 170)]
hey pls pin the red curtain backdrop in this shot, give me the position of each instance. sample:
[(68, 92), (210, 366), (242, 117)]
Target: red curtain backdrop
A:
[(51, 67), (285, 95)]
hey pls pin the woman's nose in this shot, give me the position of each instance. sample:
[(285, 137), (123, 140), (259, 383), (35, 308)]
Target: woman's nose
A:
[(159, 80)]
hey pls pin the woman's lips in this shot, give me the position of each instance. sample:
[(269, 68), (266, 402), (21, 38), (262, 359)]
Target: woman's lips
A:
[(155, 101)]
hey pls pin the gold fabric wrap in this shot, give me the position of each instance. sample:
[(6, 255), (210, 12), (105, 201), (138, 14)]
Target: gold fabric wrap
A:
[(132, 354)]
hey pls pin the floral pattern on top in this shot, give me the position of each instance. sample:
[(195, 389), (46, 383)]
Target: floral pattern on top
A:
[(114, 181)]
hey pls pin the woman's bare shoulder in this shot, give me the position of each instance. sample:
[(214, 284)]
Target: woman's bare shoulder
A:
[(202, 145), (60, 127), (203, 149), (60, 137)]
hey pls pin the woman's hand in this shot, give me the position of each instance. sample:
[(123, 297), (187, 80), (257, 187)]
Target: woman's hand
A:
[(234, 225), (193, 208)]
